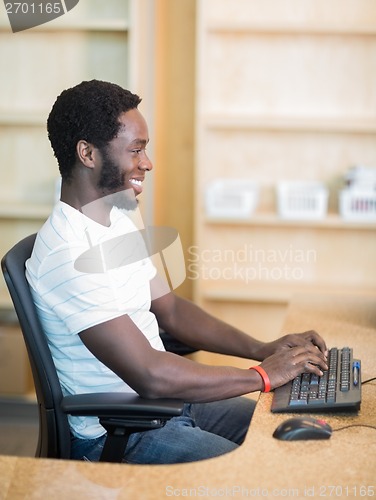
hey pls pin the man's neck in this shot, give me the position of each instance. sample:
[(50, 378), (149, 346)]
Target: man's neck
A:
[(86, 202)]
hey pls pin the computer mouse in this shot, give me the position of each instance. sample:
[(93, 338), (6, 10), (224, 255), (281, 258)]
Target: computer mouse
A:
[(303, 428)]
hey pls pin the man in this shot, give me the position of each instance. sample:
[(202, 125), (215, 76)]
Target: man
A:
[(103, 325)]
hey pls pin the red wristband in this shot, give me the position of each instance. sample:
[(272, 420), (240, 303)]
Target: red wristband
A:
[(264, 376)]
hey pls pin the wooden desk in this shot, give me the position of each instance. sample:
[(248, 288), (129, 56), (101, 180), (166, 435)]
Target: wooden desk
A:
[(344, 466)]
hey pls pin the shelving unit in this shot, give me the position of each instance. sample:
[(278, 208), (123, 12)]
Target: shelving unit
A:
[(286, 90)]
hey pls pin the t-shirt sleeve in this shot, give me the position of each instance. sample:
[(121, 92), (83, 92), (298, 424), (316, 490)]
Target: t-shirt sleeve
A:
[(81, 299)]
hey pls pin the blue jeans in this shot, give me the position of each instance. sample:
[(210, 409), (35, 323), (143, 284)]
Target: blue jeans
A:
[(204, 430)]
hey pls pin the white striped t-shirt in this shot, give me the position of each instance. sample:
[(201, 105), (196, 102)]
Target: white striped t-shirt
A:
[(70, 300)]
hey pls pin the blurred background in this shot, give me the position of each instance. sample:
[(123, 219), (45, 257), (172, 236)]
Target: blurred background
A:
[(262, 120)]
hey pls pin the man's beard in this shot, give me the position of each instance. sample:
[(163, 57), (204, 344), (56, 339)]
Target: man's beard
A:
[(111, 183)]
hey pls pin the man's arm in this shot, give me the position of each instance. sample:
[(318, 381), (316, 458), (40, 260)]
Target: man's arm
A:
[(121, 346), (196, 328), (191, 325)]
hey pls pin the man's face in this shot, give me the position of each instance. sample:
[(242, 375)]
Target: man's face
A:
[(124, 159)]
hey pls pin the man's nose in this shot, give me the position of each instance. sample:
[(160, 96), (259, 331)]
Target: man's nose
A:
[(145, 163)]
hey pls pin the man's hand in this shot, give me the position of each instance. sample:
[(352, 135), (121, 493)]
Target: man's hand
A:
[(306, 339), (288, 362)]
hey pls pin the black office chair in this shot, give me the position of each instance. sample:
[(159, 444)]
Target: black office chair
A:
[(120, 414)]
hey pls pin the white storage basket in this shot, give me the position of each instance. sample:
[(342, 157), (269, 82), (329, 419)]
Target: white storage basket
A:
[(302, 200), (355, 204), (231, 199)]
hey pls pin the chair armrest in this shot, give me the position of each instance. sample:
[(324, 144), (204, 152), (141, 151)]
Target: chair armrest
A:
[(120, 404), (122, 414)]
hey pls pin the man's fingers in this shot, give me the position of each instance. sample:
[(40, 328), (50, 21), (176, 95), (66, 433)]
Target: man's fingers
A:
[(319, 342), (309, 357), (301, 339)]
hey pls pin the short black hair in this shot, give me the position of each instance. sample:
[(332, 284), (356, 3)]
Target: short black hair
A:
[(89, 111)]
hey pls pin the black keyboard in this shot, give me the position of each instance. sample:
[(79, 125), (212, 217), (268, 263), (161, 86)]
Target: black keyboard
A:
[(339, 389)]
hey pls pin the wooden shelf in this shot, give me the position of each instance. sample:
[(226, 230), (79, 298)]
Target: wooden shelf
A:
[(332, 221), (275, 294), (110, 25), (24, 118), (308, 29), (223, 121), (89, 25), (24, 211)]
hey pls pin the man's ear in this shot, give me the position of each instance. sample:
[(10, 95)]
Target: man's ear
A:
[(85, 153)]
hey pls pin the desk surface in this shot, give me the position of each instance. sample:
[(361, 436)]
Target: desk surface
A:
[(344, 466)]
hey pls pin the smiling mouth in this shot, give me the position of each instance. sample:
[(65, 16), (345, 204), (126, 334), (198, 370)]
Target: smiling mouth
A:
[(136, 182), (136, 185)]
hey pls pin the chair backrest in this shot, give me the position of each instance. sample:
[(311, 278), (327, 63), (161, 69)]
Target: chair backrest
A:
[(54, 435)]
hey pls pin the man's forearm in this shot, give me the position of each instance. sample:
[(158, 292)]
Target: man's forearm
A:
[(193, 326)]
